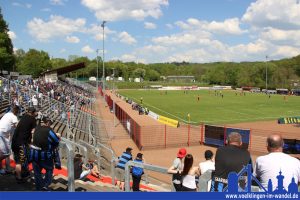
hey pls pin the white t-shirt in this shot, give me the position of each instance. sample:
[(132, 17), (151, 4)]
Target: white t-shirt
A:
[(206, 165), (6, 123), (268, 167), (34, 101)]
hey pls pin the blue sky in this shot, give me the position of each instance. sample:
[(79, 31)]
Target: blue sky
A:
[(151, 31)]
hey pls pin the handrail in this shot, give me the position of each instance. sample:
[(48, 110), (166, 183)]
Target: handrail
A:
[(70, 165), (97, 152), (112, 162), (150, 167), (85, 152)]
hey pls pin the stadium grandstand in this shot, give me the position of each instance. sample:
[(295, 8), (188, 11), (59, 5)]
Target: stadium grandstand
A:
[(74, 111)]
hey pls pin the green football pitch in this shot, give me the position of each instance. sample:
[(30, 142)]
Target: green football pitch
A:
[(213, 109)]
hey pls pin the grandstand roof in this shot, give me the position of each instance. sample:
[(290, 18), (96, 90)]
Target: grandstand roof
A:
[(67, 69)]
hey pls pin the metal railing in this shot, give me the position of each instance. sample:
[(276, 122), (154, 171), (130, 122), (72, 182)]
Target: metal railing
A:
[(70, 163), (146, 166), (77, 146), (97, 151)]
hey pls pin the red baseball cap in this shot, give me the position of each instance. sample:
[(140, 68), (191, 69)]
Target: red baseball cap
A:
[(181, 153)]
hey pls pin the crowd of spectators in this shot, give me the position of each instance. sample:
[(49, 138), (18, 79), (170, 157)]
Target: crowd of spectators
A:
[(25, 132), (62, 99), (233, 158)]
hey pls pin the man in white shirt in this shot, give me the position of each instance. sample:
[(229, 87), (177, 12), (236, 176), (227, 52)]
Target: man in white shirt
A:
[(34, 101), (209, 164), (7, 124), (269, 166)]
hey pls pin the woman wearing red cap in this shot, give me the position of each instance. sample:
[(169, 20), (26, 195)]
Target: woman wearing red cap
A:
[(177, 168)]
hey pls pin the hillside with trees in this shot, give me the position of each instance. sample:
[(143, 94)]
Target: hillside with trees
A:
[(281, 73)]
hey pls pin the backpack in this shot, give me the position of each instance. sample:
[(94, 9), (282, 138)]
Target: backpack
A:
[(137, 171)]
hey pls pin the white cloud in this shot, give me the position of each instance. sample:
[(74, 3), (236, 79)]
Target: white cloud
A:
[(169, 26), (72, 39), (128, 58), (183, 39), (286, 51), (97, 31), (27, 5), (46, 9), (149, 25), (87, 49), (114, 10), (12, 35), (57, 2), (278, 36), (281, 14), (16, 4), (253, 48), (62, 50), (126, 38), (57, 26), (228, 26)]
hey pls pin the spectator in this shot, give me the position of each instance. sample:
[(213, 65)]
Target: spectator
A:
[(230, 158), (44, 154), (7, 124), (34, 101), (209, 164), (188, 174), (20, 143), (268, 166), (137, 173), (81, 170), (177, 168), (63, 116), (39, 117), (120, 168)]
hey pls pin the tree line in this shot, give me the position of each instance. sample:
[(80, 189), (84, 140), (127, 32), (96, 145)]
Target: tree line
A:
[(281, 73)]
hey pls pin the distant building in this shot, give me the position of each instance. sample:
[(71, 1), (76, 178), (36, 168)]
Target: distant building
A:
[(180, 78), (138, 80), (120, 79)]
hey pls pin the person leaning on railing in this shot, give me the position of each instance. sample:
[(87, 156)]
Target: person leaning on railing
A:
[(177, 168), (120, 168)]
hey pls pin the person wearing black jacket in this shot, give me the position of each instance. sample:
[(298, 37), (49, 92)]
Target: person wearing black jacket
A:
[(230, 158), (20, 143)]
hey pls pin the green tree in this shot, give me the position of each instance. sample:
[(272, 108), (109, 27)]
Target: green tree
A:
[(139, 73), (7, 60), (152, 75), (58, 63), (35, 62)]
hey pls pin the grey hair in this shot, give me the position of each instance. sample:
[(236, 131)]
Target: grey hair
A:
[(234, 137)]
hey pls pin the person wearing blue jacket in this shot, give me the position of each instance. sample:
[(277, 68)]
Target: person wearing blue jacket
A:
[(120, 168), (137, 173)]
